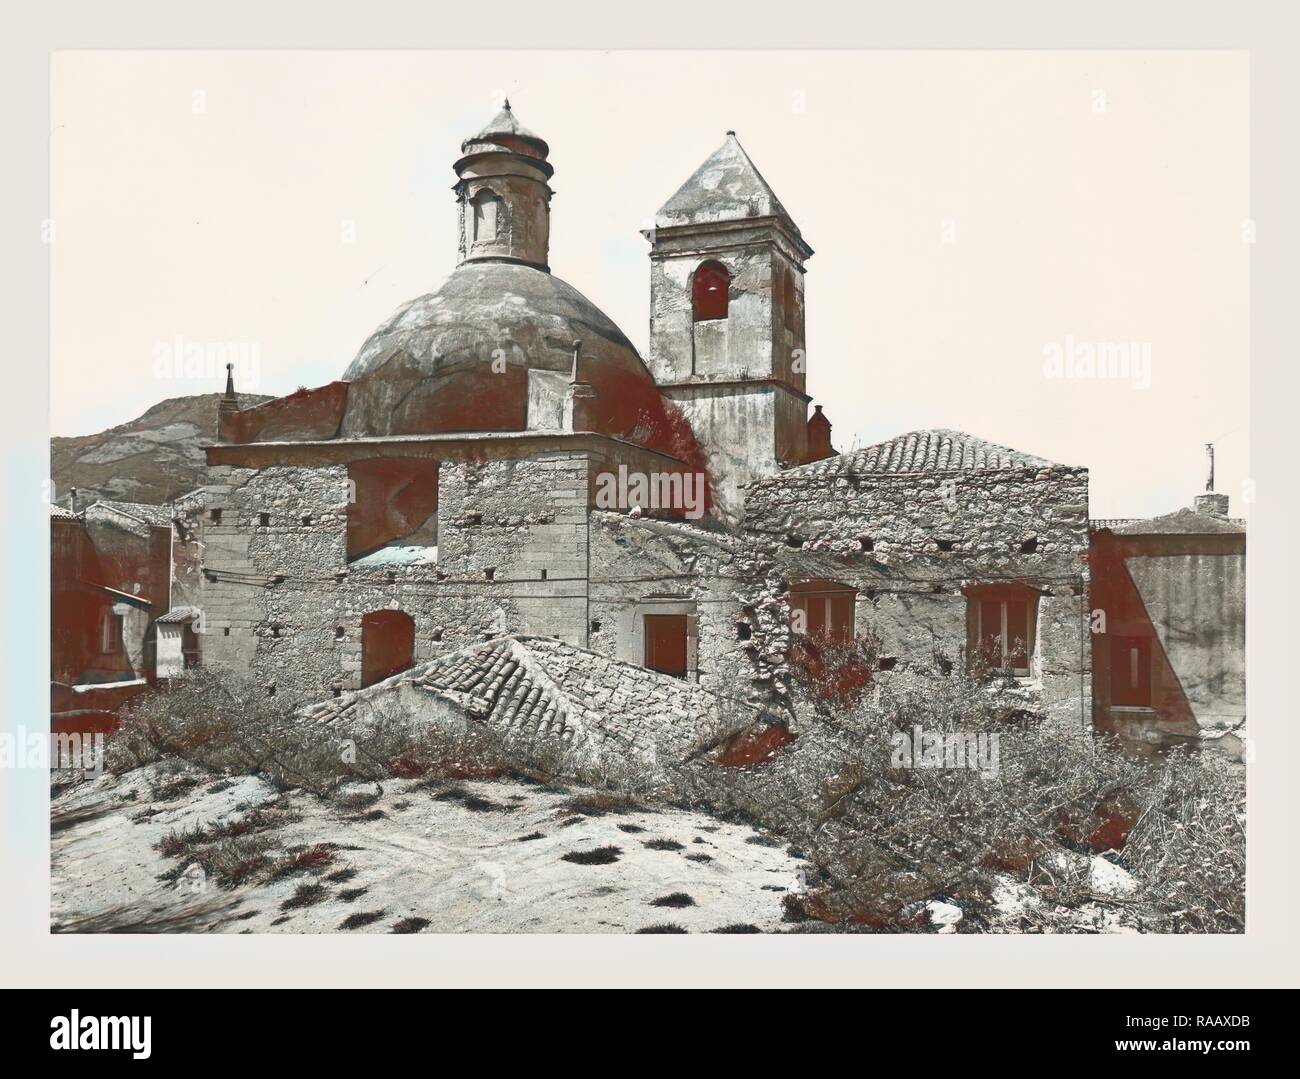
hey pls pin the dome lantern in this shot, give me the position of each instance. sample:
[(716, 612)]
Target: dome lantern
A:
[(503, 194)]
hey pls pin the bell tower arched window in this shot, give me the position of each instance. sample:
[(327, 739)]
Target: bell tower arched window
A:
[(710, 291)]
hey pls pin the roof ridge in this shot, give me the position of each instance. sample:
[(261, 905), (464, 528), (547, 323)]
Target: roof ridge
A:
[(930, 449)]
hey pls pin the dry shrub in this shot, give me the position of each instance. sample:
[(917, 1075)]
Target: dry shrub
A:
[(753, 745), (834, 674), (223, 723), (885, 838)]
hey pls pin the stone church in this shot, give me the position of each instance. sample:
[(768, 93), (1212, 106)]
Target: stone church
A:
[(498, 460), (498, 464)]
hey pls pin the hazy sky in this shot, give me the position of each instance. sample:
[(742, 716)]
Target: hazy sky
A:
[(973, 214)]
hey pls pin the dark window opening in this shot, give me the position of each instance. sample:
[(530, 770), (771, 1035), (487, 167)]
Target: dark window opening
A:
[(190, 657), (275, 631), (1029, 546), (866, 543), (793, 539), (595, 626), (543, 575), (338, 691), (387, 645), (263, 519), (214, 516), (888, 663), (225, 631), (665, 643), (490, 572), (947, 544), (790, 303), (306, 519), (744, 631), (1130, 671), (338, 633), (270, 690), (110, 631), (710, 291)]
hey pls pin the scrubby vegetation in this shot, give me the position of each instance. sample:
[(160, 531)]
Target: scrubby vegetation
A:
[(888, 838), (885, 839)]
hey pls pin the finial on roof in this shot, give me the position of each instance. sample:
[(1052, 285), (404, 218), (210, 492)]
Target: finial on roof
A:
[(230, 381), (732, 134), (507, 104)]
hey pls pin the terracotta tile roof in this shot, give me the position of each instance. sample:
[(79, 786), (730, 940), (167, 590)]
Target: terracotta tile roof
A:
[(542, 687), (157, 516), (179, 614), (935, 450)]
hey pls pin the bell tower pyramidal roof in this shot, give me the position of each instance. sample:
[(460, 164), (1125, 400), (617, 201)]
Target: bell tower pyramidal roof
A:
[(726, 187)]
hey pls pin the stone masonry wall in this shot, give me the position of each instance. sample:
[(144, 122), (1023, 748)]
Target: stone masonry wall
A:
[(281, 602), (1012, 525)]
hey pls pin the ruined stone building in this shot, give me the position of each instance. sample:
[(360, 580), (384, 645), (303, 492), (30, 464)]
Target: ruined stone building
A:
[(110, 584), (1171, 664), (497, 461)]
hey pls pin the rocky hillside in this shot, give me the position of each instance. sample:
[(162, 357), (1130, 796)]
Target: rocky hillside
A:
[(158, 850), (152, 459)]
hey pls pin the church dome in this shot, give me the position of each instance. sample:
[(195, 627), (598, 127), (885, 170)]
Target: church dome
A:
[(467, 356)]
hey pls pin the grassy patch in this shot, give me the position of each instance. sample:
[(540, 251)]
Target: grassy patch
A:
[(305, 895), (599, 803), (599, 856), (313, 859), (662, 927), (410, 925), (356, 921), (676, 900), (663, 844)]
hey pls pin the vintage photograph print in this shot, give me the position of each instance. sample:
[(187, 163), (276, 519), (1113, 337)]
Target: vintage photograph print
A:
[(649, 492)]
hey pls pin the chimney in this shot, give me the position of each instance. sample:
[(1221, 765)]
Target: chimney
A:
[(1211, 504), (819, 437), (575, 418), (72, 499)]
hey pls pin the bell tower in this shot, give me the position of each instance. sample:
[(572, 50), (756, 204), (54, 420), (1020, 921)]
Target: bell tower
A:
[(727, 320), (503, 194)]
